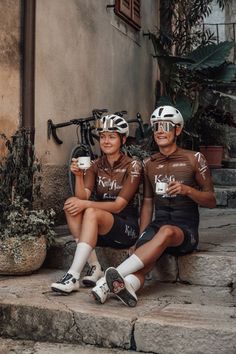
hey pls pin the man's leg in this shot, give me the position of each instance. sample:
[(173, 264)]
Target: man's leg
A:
[(95, 221), (141, 261)]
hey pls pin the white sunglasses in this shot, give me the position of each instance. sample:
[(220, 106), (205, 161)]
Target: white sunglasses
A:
[(166, 126)]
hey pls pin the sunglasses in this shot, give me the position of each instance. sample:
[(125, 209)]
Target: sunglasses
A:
[(166, 126)]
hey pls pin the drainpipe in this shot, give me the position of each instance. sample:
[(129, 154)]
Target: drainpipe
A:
[(28, 67)]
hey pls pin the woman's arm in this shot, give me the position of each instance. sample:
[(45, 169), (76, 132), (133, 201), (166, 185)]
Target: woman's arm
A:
[(129, 188), (80, 191), (76, 205)]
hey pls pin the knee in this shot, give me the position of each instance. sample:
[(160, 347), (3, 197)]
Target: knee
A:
[(91, 213), (165, 235)]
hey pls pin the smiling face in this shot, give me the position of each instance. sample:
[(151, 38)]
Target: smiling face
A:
[(110, 142), (165, 133)]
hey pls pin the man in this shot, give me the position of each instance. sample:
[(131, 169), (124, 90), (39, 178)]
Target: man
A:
[(176, 181)]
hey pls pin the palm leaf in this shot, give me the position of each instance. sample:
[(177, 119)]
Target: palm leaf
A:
[(225, 74), (210, 56)]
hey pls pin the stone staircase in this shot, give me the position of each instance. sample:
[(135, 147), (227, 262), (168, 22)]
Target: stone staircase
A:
[(225, 186), (188, 304)]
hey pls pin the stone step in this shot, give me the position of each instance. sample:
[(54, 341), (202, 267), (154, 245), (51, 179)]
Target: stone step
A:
[(231, 163), (21, 346), (225, 196), (168, 319), (214, 264), (199, 268), (224, 176)]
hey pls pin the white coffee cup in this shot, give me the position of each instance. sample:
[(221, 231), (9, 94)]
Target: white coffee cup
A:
[(161, 187), (84, 162)]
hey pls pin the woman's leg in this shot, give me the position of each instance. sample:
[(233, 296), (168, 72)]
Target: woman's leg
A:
[(95, 271), (94, 221)]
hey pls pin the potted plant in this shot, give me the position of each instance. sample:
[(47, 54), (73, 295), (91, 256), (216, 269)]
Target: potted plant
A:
[(25, 231), (209, 133)]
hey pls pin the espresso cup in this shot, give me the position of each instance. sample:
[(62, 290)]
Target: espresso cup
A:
[(84, 162), (161, 187)]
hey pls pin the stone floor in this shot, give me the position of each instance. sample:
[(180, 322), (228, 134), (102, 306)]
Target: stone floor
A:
[(171, 317)]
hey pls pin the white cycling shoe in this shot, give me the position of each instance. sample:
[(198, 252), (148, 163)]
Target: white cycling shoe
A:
[(100, 291), (66, 284), (93, 275), (121, 288)]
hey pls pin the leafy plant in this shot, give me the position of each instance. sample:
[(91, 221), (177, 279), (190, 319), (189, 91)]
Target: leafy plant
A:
[(181, 24), (18, 220), (19, 185), (142, 145), (207, 127), (191, 65)]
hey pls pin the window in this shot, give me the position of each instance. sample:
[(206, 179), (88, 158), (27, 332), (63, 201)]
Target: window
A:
[(129, 11)]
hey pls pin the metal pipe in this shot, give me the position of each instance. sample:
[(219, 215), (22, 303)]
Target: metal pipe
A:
[(28, 77)]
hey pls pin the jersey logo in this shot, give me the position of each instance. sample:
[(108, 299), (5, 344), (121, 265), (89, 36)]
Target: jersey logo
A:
[(107, 182), (202, 168), (135, 171)]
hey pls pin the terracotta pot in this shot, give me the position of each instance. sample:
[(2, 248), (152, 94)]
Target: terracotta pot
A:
[(213, 155), (18, 257)]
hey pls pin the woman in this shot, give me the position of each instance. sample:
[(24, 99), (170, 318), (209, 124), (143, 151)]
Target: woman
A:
[(111, 220)]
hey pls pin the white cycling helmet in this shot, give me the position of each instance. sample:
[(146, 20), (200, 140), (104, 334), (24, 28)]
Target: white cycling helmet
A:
[(113, 123), (168, 113)]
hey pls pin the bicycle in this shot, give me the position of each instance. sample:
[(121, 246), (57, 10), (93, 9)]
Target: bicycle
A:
[(86, 136)]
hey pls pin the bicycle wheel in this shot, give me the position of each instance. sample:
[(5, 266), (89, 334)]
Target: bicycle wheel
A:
[(79, 150)]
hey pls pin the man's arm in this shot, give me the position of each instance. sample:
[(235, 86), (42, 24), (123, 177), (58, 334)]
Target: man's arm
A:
[(146, 213), (204, 198)]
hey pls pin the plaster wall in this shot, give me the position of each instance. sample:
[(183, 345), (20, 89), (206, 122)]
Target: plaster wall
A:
[(86, 57), (9, 65)]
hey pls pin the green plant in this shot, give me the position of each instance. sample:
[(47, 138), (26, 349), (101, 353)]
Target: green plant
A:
[(207, 128), (19, 185), (191, 65), (142, 145)]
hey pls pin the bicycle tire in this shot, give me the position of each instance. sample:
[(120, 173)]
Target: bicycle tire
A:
[(77, 151)]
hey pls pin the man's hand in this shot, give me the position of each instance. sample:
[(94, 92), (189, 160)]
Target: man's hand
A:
[(176, 187), (75, 206)]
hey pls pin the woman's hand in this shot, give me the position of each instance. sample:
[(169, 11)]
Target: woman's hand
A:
[(74, 206), (75, 169)]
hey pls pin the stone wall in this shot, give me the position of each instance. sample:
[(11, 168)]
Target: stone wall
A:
[(9, 65), (86, 57)]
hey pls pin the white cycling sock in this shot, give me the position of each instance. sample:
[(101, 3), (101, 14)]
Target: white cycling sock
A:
[(93, 259), (133, 281), (82, 253), (130, 265)]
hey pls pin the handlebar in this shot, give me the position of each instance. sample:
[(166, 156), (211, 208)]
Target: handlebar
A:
[(138, 120), (96, 113), (120, 113), (84, 122)]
